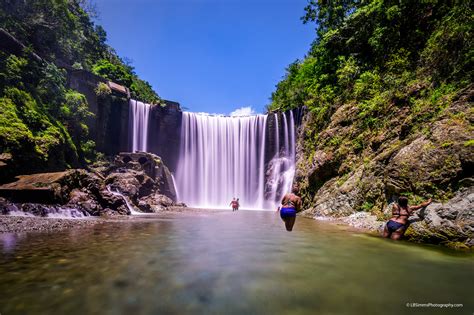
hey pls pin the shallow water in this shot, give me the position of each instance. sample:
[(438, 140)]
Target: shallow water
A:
[(226, 263)]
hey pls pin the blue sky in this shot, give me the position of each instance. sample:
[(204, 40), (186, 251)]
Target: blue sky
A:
[(211, 56)]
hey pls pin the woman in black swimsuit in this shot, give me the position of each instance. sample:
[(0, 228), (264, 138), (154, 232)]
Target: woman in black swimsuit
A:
[(396, 226)]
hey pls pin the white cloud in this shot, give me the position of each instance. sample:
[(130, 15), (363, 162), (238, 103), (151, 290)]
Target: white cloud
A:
[(243, 111)]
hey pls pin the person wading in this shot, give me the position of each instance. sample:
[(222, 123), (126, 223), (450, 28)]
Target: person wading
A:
[(235, 204), (290, 204), (397, 225)]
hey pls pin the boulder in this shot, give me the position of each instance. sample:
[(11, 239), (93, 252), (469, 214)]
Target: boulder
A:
[(126, 182), (49, 188), (43, 187), (84, 201), (6, 207), (110, 200), (448, 223), (155, 203)]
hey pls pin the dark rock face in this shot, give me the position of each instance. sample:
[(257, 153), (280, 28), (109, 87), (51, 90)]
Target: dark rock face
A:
[(110, 201), (49, 188), (139, 179), (323, 167), (109, 127), (164, 132), (140, 174)]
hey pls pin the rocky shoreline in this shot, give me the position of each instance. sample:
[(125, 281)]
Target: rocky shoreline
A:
[(20, 224), (130, 183), (449, 224)]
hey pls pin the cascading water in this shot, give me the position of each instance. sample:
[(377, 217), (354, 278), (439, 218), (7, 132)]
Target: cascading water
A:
[(226, 157), (139, 113), (129, 205), (281, 168)]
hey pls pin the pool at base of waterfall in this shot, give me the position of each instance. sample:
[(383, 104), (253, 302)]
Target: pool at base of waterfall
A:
[(225, 262)]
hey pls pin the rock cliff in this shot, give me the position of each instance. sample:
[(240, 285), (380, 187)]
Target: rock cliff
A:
[(340, 179)]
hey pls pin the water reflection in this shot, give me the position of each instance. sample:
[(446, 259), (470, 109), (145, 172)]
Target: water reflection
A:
[(225, 263)]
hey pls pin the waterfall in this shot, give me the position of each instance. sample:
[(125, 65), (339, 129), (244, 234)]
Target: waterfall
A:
[(139, 113), (281, 168), (225, 157), (129, 205)]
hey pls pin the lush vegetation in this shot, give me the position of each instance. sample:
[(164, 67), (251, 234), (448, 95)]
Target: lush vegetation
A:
[(43, 122), (62, 32), (375, 68), (372, 52)]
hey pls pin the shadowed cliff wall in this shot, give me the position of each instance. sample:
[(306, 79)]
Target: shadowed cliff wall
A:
[(164, 132), (110, 124)]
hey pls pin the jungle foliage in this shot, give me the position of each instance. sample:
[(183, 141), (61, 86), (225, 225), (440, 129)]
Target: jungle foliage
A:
[(62, 32), (375, 52), (379, 75), (43, 122)]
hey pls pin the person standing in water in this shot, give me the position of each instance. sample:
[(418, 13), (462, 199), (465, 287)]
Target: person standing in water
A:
[(397, 225), (290, 204), (238, 204), (234, 204)]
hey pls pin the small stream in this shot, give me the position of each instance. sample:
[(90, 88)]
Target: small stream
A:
[(225, 262)]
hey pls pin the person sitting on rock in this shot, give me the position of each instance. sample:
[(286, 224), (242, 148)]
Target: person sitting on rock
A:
[(397, 225)]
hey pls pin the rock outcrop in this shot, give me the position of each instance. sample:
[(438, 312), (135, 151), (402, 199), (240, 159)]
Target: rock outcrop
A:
[(343, 175), (132, 181), (450, 223)]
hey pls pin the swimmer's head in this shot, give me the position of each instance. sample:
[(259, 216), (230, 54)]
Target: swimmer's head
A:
[(295, 188)]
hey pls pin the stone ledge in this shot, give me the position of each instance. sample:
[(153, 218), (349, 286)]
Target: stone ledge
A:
[(42, 187)]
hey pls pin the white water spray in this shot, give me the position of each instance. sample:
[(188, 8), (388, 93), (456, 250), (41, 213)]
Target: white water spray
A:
[(224, 157)]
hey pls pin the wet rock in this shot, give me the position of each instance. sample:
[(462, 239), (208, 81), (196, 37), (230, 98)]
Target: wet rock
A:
[(158, 177), (84, 201), (35, 209), (126, 182), (131, 176), (6, 207), (166, 184), (110, 200), (144, 206), (107, 212), (44, 187), (155, 203), (147, 186)]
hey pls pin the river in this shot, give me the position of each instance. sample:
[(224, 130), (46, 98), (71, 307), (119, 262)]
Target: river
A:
[(225, 262)]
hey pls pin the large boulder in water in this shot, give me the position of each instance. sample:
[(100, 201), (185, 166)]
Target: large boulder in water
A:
[(451, 223)]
